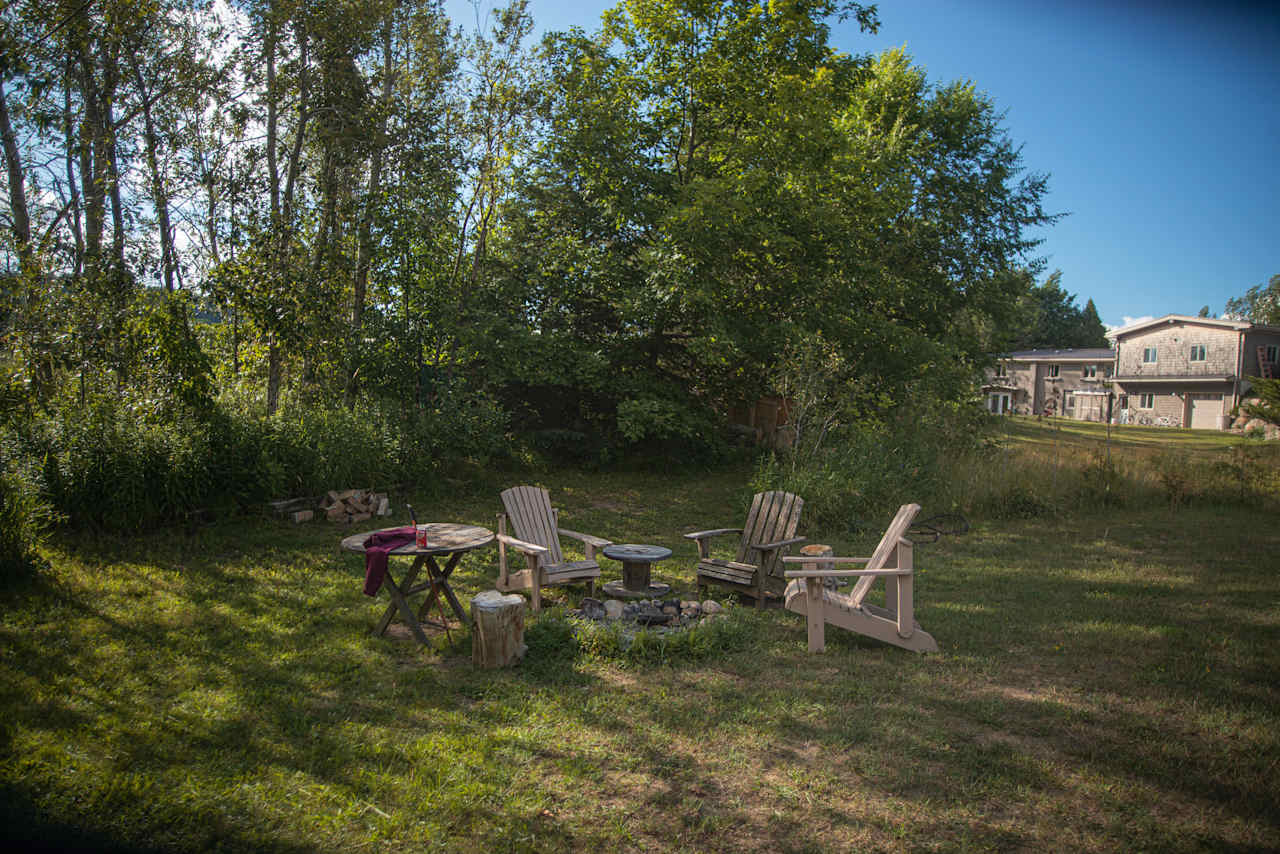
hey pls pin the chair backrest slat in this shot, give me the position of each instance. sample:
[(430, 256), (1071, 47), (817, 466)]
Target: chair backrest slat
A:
[(532, 519), (773, 516), (749, 529), (886, 549)]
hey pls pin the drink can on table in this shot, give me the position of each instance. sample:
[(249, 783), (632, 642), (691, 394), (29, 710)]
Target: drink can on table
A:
[(422, 536)]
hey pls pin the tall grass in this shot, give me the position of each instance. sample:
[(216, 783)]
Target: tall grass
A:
[(112, 463), (1037, 473)]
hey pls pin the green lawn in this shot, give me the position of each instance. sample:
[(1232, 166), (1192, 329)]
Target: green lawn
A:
[(1105, 683), (1077, 434)]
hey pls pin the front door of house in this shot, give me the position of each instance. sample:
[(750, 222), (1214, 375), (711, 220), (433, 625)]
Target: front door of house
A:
[(998, 402)]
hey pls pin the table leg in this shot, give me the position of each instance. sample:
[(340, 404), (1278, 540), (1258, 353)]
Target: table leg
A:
[(406, 612), (440, 585), (407, 584), (448, 591)]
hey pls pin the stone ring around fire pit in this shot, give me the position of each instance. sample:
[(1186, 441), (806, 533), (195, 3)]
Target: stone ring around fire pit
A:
[(636, 561), (656, 614)]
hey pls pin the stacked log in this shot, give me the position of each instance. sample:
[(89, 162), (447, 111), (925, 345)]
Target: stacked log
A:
[(354, 505)]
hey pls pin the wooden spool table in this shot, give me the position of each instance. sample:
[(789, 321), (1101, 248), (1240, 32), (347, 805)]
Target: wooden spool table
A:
[(443, 538), (637, 561)]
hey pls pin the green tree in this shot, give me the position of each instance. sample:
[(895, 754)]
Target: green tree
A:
[(1048, 317), (1092, 333), (1260, 304), (1267, 406), (717, 182)]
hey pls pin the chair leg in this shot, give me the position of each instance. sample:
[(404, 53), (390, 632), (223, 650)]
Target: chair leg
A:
[(591, 587), (537, 595)]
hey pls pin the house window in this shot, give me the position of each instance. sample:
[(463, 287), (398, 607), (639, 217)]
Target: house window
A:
[(1197, 352), (1146, 401), (1107, 372), (1054, 370), (1089, 372), (1273, 351), (1000, 370), (1148, 354)]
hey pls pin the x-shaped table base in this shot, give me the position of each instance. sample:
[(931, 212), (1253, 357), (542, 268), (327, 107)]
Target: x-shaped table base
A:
[(437, 582)]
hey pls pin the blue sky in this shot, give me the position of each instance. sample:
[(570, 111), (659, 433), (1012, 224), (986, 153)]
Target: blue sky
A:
[(1157, 122)]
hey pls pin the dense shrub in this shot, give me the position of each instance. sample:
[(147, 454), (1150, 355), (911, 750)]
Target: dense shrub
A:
[(863, 470), (115, 463), (24, 519)]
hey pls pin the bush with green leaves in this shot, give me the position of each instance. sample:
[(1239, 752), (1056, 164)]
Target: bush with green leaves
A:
[(866, 469), (114, 461), (24, 520)]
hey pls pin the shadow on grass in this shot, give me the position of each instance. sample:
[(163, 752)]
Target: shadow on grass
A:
[(1068, 657)]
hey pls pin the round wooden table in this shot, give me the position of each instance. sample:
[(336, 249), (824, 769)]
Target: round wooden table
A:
[(443, 538), (637, 560)]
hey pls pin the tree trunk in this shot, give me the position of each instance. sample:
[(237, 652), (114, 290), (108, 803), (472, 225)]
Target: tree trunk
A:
[(273, 167), (92, 157), (304, 113), (159, 193), (364, 241), (17, 186), (273, 376), (110, 81), (71, 146)]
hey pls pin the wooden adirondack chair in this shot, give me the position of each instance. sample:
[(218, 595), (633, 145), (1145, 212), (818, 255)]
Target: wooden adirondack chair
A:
[(892, 561), (770, 530), (538, 533)]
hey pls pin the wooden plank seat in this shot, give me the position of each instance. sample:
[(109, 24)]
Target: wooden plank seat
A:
[(537, 537), (893, 560), (769, 531)]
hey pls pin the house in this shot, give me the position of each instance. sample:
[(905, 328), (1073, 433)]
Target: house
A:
[(1072, 383), (1181, 371)]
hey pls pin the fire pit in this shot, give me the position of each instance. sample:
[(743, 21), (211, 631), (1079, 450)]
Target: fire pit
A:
[(659, 614)]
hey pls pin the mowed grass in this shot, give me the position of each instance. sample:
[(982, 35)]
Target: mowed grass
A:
[(1105, 682)]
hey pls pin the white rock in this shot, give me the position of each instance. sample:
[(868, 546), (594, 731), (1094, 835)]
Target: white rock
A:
[(612, 609), (711, 607)]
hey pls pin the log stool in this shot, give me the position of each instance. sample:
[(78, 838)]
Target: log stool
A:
[(497, 639), (815, 551)]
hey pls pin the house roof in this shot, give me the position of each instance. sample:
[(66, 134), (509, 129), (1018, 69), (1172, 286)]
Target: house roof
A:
[(1171, 319), (1085, 354)]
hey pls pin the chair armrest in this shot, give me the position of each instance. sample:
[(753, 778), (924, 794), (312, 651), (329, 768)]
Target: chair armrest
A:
[(768, 547), (836, 573), (521, 545), (702, 535), (843, 573), (597, 542)]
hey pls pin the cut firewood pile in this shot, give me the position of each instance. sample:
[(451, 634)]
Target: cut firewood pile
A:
[(347, 506), (355, 505)]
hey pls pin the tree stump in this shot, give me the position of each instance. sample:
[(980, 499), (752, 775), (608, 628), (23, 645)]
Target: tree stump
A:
[(497, 636), (817, 550)]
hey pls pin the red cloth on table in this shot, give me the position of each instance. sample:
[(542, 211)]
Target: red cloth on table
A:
[(376, 548)]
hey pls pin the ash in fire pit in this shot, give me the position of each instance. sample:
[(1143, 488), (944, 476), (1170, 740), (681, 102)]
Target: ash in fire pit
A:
[(660, 613)]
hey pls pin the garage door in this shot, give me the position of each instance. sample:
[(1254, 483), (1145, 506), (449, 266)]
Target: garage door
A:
[(1206, 411)]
